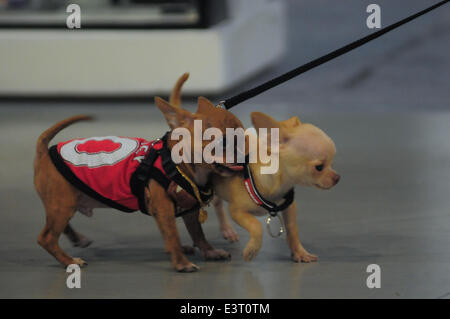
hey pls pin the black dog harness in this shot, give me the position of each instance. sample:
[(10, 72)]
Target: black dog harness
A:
[(158, 165)]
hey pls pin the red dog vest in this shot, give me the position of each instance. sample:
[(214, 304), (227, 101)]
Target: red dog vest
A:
[(102, 167), (115, 170)]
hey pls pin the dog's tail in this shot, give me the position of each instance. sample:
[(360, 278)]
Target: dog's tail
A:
[(175, 96), (47, 135)]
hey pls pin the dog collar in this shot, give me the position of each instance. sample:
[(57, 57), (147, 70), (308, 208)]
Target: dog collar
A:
[(259, 200)]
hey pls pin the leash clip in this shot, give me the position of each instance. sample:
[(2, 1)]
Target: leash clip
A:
[(269, 230), (221, 105)]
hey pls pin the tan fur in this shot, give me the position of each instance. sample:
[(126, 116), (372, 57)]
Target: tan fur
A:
[(302, 148), (61, 200)]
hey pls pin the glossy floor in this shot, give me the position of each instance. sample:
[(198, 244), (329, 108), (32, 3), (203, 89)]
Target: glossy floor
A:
[(391, 209), (387, 108)]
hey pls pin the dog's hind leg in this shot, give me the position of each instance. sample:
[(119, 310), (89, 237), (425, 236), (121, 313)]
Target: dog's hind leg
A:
[(77, 239), (57, 220), (198, 237), (60, 202)]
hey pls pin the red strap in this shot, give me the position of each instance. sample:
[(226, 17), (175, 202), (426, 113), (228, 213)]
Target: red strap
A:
[(251, 192), (158, 162)]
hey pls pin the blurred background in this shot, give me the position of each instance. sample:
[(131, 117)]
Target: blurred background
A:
[(136, 48), (386, 106)]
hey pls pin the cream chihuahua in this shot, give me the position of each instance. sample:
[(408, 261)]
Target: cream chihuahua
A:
[(305, 157)]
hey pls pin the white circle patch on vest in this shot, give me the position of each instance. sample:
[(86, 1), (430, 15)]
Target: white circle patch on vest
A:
[(70, 152)]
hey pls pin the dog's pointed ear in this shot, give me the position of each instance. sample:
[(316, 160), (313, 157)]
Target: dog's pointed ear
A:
[(204, 105), (292, 122), (175, 117), (261, 120)]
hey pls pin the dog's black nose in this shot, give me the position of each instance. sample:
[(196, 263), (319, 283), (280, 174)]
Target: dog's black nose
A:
[(336, 179)]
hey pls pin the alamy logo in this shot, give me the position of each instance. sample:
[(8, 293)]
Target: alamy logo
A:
[(73, 21), (233, 145), (74, 279), (374, 19), (374, 279)]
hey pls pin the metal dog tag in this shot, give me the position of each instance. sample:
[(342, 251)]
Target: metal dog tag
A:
[(269, 230)]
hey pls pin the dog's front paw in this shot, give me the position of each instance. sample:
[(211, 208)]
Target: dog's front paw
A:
[(216, 254), (186, 267), (251, 250), (303, 256), (229, 234), (80, 262)]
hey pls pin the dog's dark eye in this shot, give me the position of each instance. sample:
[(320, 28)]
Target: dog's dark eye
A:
[(319, 167)]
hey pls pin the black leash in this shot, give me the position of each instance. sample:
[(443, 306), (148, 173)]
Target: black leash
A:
[(237, 99)]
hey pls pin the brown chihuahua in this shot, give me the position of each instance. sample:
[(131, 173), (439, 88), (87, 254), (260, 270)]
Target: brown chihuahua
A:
[(62, 198)]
